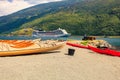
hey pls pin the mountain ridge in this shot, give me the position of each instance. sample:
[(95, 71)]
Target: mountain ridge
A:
[(77, 17)]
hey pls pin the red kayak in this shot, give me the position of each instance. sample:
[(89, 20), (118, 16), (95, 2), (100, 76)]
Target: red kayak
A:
[(77, 45), (105, 51)]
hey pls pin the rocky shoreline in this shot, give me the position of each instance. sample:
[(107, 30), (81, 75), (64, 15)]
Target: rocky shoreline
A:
[(98, 43)]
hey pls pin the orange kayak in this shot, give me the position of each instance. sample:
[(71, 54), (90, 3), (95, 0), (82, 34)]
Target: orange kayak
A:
[(20, 47)]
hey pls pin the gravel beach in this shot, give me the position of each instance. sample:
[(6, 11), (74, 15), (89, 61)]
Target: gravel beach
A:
[(57, 65)]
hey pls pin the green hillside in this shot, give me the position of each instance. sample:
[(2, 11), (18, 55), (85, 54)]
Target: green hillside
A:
[(14, 21), (79, 17)]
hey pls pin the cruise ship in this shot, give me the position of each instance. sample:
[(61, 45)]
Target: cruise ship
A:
[(51, 34)]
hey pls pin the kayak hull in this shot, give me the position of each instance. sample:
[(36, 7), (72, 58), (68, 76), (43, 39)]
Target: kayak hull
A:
[(29, 51), (77, 45), (105, 51), (20, 47)]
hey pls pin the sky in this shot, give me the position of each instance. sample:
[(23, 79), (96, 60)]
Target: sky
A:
[(11, 6)]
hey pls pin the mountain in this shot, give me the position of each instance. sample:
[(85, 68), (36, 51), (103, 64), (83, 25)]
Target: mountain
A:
[(79, 17), (15, 20)]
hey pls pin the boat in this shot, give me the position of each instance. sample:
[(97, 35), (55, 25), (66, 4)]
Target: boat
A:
[(77, 45), (105, 51), (51, 34), (20, 47)]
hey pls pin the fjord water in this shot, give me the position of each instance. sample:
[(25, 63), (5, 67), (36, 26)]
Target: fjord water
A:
[(112, 41)]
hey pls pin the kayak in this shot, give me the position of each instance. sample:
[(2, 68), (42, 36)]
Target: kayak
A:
[(77, 45), (105, 51), (20, 47)]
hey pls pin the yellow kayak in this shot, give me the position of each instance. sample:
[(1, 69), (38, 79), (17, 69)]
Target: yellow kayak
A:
[(20, 47)]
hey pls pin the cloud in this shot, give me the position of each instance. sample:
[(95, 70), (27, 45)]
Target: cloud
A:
[(11, 6), (7, 7), (40, 1)]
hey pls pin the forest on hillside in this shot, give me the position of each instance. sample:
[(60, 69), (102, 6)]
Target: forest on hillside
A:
[(91, 17)]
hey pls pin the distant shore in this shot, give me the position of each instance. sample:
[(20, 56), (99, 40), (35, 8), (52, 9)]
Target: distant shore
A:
[(100, 36), (108, 36)]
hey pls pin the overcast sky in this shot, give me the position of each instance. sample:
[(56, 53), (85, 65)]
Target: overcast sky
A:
[(11, 6)]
